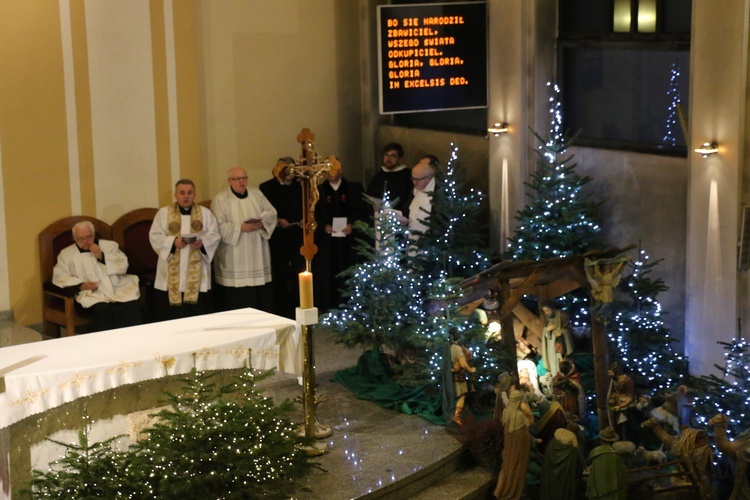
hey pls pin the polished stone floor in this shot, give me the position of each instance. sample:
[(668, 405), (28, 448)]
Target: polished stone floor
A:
[(371, 448)]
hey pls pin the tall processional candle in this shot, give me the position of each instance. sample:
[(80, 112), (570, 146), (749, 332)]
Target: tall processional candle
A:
[(305, 290)]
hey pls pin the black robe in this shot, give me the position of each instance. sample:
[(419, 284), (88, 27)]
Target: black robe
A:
[(398, 184), (335, 254), (285, 244)]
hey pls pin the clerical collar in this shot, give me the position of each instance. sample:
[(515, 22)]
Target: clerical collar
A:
[(238, 195), (335, 185), (185, 211), (395, 169)]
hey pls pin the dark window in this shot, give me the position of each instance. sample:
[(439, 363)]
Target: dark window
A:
[(626, 89)]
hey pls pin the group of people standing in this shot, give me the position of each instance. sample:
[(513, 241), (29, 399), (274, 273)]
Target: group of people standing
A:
[(246, 246)]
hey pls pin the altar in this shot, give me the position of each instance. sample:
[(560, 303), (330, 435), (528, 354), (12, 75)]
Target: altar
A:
[(42, 378)]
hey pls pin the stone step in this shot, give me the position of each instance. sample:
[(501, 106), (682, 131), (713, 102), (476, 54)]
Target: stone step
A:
[(14, 334), (467, 483)]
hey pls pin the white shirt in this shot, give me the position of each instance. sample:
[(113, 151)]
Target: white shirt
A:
[(419, 210)]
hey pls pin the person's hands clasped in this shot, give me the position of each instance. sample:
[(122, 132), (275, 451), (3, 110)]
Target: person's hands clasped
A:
[(248, 227), (89, 285)]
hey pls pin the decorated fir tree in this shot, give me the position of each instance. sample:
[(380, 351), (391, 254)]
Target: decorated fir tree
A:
[(400, 297), (221, 442), (729, 392), (212, 441), (455, 245), (560, 220), (453, 248), (638, 338), (87, 470), (384, 300)]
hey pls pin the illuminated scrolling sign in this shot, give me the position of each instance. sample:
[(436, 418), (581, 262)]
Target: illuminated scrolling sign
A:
[(432, 56)]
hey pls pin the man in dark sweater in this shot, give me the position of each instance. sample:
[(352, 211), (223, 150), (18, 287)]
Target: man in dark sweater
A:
[(394, 177)]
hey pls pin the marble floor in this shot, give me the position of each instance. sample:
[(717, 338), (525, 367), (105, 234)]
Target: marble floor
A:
[(371, 448)]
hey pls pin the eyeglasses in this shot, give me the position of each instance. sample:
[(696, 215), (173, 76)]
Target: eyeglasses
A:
[(81, 239), (238, 178), (417, 179)]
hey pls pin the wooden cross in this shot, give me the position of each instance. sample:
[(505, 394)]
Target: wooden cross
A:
[(308, 170)]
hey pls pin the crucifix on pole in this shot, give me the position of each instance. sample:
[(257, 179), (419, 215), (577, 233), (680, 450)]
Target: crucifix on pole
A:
[(308, 169)]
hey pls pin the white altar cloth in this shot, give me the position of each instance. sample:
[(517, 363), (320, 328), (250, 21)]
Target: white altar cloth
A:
[(42, 375)]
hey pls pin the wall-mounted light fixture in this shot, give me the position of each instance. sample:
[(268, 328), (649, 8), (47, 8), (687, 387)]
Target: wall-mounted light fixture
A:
[(622, 16), (708, 148), (646, 16), (645, 13), (498, 128)]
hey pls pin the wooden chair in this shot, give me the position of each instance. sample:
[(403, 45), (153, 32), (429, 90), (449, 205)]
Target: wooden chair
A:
[(205, 203), (59, 307), (131, 233)]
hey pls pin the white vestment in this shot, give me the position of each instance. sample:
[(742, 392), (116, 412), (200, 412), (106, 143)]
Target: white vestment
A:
[(419, 210), (162, 242), (75, 267), (243, 259)]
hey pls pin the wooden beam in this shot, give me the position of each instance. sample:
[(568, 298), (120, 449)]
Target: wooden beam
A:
[(517, 294), (601, 378)]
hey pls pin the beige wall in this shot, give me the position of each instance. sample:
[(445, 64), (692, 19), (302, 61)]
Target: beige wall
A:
[(104, 104), (268, 69), (718, 103)]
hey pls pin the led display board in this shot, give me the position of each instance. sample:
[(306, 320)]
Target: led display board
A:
[(432, 56)]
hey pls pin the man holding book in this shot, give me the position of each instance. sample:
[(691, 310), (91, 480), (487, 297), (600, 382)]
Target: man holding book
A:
[(242, 265)]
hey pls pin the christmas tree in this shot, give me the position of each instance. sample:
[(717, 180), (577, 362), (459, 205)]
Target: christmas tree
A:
[(560, 220), (211, 442), (221, 442), (401, 296), (729, 393), (455, 244), (384, 300), (87, 470), (638, 338)]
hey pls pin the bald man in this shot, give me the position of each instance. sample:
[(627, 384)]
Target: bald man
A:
[(420, 199), (242, 265)]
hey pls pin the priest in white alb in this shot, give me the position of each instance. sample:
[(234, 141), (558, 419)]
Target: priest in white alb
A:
[(185, 237), (242, 265), (95, 270)]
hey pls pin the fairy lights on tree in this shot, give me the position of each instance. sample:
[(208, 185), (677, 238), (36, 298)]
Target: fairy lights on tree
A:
[(673, 93), (638, 337), (211, 442), (729, 393), (559, 220), (384, 299)]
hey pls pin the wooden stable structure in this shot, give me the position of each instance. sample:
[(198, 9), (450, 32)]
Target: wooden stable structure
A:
[(545, 279)]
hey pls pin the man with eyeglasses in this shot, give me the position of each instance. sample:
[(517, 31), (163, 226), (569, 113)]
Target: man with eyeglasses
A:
[(242, 264), (420, 197), (96, 270), (394, 177)]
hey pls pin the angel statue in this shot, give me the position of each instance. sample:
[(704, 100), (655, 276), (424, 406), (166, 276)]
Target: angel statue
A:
[(603, 275)]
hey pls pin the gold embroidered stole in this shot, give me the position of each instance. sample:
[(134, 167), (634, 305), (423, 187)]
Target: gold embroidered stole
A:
[(193, 274)]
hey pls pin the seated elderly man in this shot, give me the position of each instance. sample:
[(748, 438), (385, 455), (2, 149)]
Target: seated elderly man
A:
[(96, 270)]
